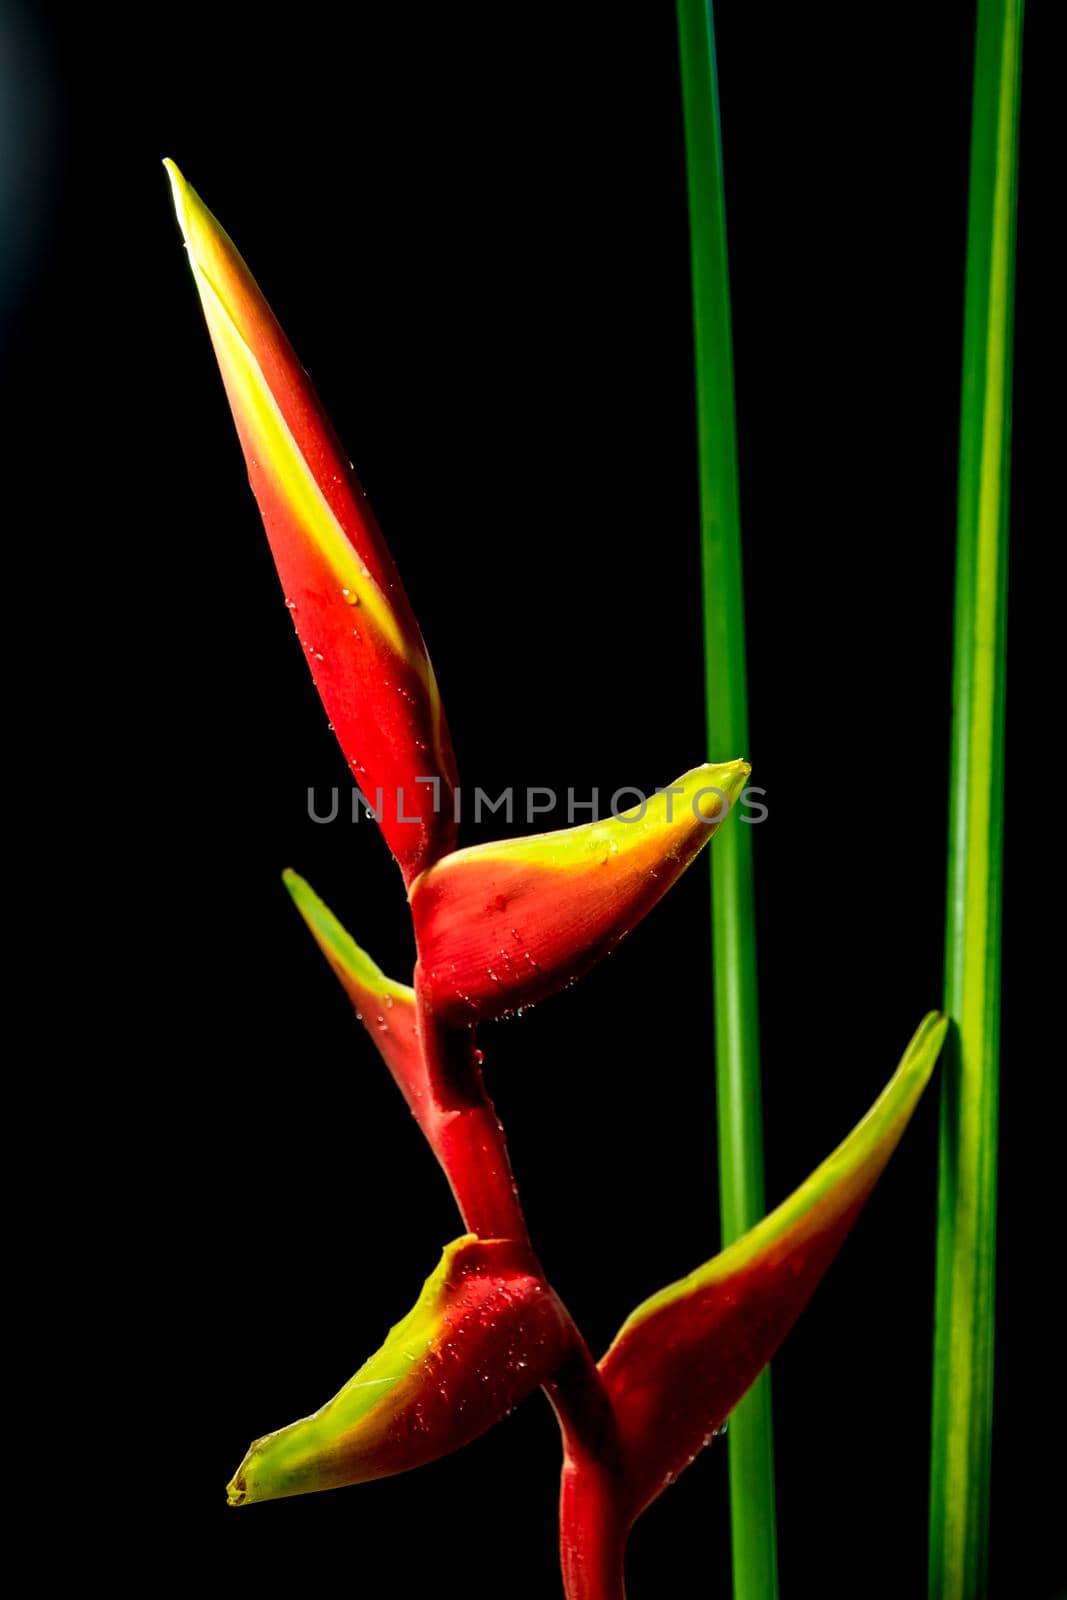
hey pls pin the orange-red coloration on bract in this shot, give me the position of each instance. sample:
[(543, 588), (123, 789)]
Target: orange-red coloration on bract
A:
[(353, 619), (497, 927), (385, 1008), (437, 1071), (485, 1332), (685, 1358), (503, 925)]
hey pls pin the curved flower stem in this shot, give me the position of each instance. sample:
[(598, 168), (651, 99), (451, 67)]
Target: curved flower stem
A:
[(967, 1195), (593, 1529), (469, 1140), (466, 1131), (594, 1523)]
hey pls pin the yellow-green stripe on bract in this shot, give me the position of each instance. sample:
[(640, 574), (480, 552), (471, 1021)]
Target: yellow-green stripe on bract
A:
[(484, 1333), (685, 1357), (502, 925), (352, 616)]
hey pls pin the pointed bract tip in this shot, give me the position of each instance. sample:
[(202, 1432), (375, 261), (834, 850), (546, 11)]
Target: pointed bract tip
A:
[(935, 1025), (726, 779), (301, 893), (178, 188), (236, 1492), (200, 230), (740, 766)]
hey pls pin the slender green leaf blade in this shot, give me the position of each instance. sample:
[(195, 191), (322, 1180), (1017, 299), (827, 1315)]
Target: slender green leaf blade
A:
[(738, 1092)]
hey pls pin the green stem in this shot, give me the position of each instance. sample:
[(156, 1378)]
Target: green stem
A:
[(751, 1446), (966, 1243)]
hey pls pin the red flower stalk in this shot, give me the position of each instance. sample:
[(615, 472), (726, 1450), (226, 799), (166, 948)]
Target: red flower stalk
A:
[(496, 927)]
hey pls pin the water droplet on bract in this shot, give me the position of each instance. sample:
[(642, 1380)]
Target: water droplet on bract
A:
[(389, 1002), (383, 1026), (290, 605), (355, 633), (364, 569), (351, 598), (479, 1057), (318, 655)]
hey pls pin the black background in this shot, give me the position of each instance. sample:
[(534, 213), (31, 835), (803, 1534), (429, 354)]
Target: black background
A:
[(472, 223)]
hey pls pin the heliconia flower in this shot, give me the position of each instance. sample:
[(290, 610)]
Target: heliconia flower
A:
[(484, 1333), (501, 925), (359, 634), (685, 1357), (497, 927), (437, 1072)]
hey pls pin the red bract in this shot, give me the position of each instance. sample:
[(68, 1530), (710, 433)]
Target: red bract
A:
[(496, 927), (683, 1359), (484, 1332), (348, 605), (505, 924)]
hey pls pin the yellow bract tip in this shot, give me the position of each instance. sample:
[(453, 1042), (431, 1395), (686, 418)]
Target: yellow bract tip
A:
[(180, 192)]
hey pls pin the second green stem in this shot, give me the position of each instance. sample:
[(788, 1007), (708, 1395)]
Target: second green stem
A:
[(751, 1448)]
